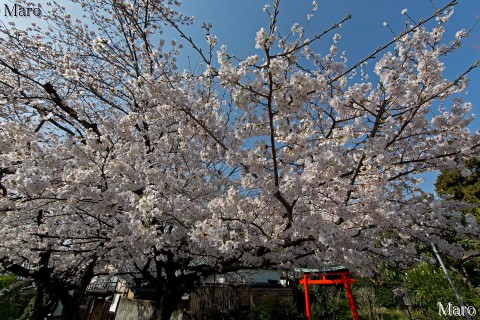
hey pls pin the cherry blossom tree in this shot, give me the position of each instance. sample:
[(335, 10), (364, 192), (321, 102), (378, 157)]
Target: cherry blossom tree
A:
[(47, 234), (111, 156), (84, 149)]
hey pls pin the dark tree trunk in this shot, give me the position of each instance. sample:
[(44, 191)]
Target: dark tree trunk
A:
[(70, 303), (44, 304), (170, 299), (169, 285), (51, 290), (45, 300)]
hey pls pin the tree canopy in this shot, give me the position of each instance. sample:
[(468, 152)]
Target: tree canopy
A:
[(112, 157), (462, 184)]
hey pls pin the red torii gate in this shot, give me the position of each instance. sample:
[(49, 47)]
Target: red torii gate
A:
[(330, 277)]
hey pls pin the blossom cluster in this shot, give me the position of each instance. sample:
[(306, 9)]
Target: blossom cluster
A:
[(280, 159)]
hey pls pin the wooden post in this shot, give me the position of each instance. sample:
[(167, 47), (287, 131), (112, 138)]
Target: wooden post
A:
[(307, 298)]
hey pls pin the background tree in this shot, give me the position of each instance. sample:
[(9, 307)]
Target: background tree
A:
[(46, 235), (464, 185), (425, 295), (283, 158), (15, 296)]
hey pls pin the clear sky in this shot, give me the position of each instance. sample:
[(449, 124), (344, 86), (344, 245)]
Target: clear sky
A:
[(235, 23)]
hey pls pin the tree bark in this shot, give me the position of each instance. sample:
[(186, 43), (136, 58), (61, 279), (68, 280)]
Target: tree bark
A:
[(170, 299), (44, 304), (70, 303), (45, 299), (50, 289)]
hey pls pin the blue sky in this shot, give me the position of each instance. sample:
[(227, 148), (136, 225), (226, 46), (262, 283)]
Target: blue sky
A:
[(235, 23)]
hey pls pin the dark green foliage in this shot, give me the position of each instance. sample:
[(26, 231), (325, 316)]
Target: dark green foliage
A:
[(465, 188), (331, 303), (427, 285), (462, 188), (385, 297), (14, 297), (328, 302), (382, 290), (374, 299), (6, 280), (274, 307)]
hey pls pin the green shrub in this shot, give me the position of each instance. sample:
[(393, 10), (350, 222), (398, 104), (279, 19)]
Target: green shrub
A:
[(427, 285), (273, 307), (14, 297), (329, 302), (6, 280)]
